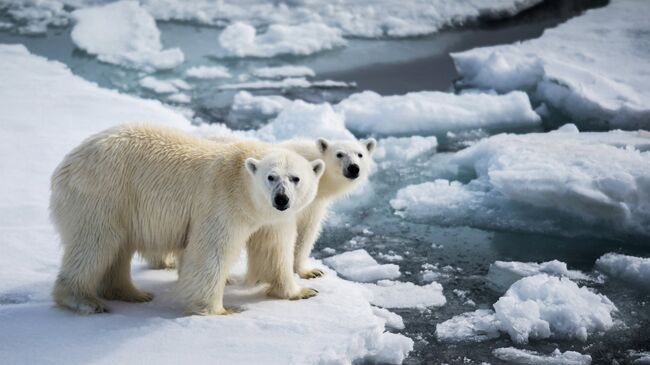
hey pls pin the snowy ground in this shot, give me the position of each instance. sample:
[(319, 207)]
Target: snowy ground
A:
[(468, 244)]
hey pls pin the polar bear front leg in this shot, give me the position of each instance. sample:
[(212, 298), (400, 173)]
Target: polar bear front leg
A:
[(270, 259), (205, 266), (309, 227)]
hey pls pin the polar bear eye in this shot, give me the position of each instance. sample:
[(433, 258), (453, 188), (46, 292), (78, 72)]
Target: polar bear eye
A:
[(360, 155), (294, 179), (339, 155), (271, 178)]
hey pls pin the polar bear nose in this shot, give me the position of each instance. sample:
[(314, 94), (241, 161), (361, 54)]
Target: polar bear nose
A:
[(352, 171), (281, 202)]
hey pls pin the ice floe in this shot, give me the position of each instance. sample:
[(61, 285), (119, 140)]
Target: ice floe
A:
[(576, 68), (163, 86), (399, 294), (635, 270), (40, 125), (433, 112), (520, 356), (292, 82), (208, 72), (283, 71), (268, 105), (502, 274), (241, 40), (125, 34), (535, 307), (589, 178), (359, 266)]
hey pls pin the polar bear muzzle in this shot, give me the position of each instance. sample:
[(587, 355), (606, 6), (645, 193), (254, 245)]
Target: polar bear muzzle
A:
[(280, 199)]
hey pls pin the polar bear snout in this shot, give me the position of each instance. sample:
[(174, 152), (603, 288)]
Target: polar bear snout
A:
[(281, 201), (352, 171)]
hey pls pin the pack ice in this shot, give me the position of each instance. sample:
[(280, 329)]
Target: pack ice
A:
[(40, 125), (564, 182), (576, 69)]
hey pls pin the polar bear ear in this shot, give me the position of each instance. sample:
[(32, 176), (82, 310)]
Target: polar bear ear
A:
[(251, 165), (318, 166), (370, 144), (322, 144)]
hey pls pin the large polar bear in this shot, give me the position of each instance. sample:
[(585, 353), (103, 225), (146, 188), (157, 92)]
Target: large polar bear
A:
[(348, 164), (150, 189)]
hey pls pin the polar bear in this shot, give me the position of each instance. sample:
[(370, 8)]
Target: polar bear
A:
[(348, 164), (139, 188)]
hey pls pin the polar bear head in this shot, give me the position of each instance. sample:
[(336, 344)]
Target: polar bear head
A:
[(283, 181), (348, 162)]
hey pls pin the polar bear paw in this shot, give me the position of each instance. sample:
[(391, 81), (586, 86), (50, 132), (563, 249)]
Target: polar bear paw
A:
[(130, 295), (304, 293), (213, 311), (311, 273)]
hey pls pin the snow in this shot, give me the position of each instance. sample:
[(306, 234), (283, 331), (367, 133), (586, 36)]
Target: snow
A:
[(125, 34), (535, 307), (180, 98), (398, 294), (542, 306), (577, 67), (163, 86), (519, 356), (635, 270), (208, 72), (46, 112), (502, 274), (292, 82), (594, 179), (359, 266), (480, 325), (268, 105), (241, 40), (390, 257), (434, 112), (283, 71)]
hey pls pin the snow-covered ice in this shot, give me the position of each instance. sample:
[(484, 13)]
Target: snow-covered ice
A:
[(535, 307), (180, 98), (125, 34), (433, 112), (241, 40), (291, 82), (635, 270), (399, 149), (393, 320), (590, 177), (514, 355), (208, 72), (399, 294), (542, 306), (359, 266), (480, 325), (283, 71), (592, 68), (502, 274), (46, 112)]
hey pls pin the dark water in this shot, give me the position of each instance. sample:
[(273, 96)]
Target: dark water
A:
[(394, 67)]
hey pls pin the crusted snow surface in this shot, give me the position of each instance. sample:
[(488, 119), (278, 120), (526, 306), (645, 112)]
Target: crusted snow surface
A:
[(125, 34), (359, 266), (635, 270), (434, 112), (514, 355), (576, 68), (241, 40), (40, 125), (522, 181)]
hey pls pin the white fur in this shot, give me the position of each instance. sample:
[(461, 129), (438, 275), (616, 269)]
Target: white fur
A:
[(157, 191)]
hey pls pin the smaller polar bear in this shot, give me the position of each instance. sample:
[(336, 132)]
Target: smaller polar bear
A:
[(147, 189), (348, 165)]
